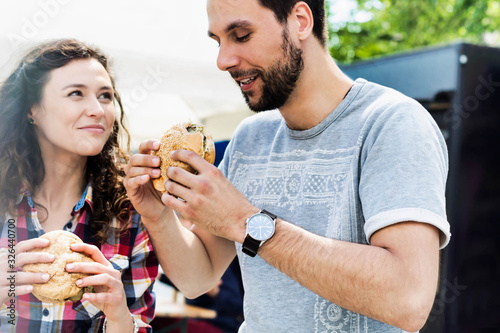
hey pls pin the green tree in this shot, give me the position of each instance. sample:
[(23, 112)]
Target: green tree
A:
[(399, 25)]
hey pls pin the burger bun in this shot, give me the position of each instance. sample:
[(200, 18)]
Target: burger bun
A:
[(186, 135), (61, 286)]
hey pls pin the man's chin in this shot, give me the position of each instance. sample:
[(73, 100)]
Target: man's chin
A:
[(256, 107), (250, 100), (259, 106), (254, 103)]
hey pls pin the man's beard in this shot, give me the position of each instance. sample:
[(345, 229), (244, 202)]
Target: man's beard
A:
[(279, 80)]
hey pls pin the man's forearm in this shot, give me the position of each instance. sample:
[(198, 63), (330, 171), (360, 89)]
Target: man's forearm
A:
[(366, 279)]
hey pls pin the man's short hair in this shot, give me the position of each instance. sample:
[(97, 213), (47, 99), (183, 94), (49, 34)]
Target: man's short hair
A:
[(283, 8)]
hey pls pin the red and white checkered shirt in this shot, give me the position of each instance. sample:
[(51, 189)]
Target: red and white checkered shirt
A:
[(131, 253)]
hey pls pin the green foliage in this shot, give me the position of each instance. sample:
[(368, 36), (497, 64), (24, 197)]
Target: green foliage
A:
[(399, 25)]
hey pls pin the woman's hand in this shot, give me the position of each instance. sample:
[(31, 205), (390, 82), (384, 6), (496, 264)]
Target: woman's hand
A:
[(141, 168), (12, 259), (109, 295)]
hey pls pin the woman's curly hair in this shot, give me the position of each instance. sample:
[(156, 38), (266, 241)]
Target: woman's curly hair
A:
[(21, 164)]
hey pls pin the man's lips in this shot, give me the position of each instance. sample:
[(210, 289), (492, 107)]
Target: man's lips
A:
[(247, 83)]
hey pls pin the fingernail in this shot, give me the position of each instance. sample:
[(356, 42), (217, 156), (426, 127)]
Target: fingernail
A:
[(51, 256), (45, 276), (70, 266), (45, 241), (29, 288), (156, 144), (156, 172), (78, 282), (156, 160)]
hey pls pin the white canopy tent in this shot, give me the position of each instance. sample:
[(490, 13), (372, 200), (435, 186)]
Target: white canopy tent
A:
[(164, 63)]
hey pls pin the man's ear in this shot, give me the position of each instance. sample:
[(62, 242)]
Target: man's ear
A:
[(304, 18)]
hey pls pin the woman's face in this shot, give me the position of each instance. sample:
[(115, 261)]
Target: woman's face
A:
[(76, 112)]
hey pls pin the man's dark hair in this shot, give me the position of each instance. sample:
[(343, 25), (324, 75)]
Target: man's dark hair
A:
[(283, 8)]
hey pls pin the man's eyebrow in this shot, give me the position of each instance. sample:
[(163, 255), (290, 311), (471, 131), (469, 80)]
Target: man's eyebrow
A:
[(234, 25), (237, 24)]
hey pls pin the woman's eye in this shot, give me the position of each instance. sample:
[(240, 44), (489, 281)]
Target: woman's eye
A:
[(107, 96), (75, 93)]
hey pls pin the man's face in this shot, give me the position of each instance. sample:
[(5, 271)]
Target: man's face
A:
[(256, 50)]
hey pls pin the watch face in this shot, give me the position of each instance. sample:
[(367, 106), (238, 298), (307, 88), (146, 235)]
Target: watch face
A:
[(260, 227)]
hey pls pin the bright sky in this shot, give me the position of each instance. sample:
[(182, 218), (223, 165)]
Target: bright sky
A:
[(168, 27), (163, 27)]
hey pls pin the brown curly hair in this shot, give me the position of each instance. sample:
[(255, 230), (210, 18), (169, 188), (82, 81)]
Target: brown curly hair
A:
[(21, 164)]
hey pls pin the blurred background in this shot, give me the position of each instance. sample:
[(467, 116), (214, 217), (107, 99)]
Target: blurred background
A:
[(446, 55), (443, 53)]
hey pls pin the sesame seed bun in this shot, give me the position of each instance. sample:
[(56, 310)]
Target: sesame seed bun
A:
[(61, 286), (187, 136)]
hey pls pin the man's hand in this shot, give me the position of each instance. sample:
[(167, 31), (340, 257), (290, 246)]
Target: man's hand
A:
[(209, 200)]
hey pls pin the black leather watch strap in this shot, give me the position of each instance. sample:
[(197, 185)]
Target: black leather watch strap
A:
[(250, 246), (274, 217)]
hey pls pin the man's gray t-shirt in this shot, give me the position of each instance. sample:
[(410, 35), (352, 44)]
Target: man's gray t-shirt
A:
[(377, 159)]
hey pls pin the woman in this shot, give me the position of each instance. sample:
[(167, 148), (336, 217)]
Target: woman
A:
[(61, 169)]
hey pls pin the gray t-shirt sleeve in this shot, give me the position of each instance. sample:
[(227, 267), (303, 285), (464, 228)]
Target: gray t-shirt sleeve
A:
[(404, 165)]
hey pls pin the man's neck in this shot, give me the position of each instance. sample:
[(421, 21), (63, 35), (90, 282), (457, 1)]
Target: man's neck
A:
[(320, 89)]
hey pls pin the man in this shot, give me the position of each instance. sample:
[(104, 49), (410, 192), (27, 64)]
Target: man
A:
[(351, 176)]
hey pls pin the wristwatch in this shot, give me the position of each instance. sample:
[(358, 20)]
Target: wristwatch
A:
[(260, 228)]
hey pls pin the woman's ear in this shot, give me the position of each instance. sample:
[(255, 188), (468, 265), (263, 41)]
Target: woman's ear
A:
[(35, 109), (304, 18)]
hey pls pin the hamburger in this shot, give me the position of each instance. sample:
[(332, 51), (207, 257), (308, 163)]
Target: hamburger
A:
[(61, 286), (187, 136)]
